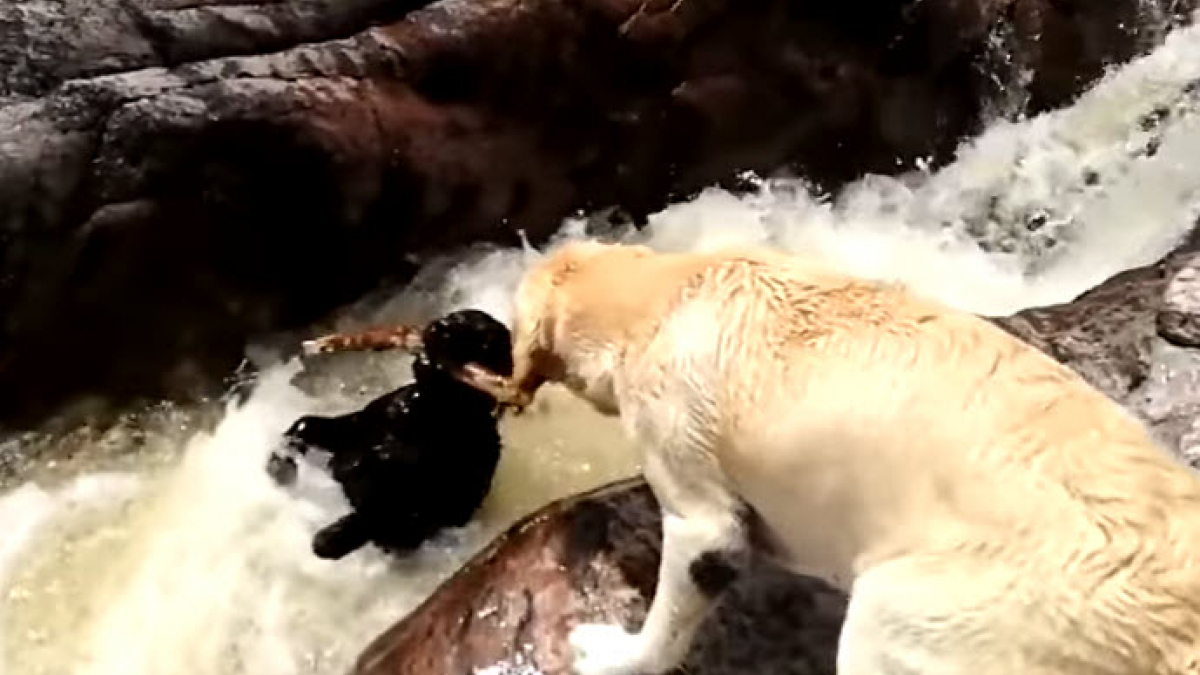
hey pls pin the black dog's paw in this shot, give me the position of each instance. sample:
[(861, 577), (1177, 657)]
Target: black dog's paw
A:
[(282, 469), (339, 539)]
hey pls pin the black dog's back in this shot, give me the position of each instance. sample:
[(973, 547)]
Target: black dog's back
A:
[(422, 457), (430, 449)]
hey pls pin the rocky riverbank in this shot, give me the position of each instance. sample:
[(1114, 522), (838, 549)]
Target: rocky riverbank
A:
[(178, 177)]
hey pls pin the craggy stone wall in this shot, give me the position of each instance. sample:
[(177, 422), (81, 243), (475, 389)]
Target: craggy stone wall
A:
[(177, 176)]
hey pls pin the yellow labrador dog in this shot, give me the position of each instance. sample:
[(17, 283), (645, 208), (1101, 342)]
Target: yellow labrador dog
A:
[(988, 512)]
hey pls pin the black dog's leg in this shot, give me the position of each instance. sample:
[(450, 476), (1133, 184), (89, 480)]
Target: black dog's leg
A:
[(327, 433), (282, 468), (341, 538)]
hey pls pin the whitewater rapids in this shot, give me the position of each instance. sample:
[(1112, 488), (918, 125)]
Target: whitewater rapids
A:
[(160, 547)]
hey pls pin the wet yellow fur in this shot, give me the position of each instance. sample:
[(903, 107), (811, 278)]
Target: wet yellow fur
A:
[(989, 512)]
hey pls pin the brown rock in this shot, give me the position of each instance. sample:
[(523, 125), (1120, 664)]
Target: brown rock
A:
[(594, 558), (177, 176)]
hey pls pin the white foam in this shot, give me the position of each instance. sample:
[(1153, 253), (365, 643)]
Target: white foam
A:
[(31, 511)]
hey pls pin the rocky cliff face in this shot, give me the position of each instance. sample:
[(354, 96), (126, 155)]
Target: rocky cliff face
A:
[(595, 557), (179, 175)]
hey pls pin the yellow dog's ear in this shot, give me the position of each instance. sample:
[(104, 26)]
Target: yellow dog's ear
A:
[(407, 338), (503, 389)]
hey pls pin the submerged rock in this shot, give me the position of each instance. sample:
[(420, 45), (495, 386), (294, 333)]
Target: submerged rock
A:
[(595, 557), (177, 176)]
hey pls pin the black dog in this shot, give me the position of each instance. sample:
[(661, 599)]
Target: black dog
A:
[(420, 458)]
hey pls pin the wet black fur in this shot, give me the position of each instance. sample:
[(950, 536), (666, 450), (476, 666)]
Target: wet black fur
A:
[(714, 571), (420, 458)]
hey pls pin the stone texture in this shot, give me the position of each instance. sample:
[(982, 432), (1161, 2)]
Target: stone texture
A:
[(595, 558), (177, 176)]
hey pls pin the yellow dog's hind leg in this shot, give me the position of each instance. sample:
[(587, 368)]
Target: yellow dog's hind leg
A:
[(936, 615)]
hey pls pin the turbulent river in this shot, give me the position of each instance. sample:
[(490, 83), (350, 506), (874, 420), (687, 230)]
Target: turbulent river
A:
[(160, 546)]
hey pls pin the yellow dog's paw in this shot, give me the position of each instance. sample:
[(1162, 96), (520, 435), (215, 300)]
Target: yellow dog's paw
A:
[(607, 649)]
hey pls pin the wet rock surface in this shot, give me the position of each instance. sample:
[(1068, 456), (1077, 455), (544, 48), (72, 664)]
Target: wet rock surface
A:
[(595, 557), (177, 176)]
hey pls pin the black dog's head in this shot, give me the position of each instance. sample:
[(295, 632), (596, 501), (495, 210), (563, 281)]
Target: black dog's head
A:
[(462, 337)]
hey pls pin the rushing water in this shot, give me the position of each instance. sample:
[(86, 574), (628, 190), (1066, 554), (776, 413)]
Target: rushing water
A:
[(160, 547)]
